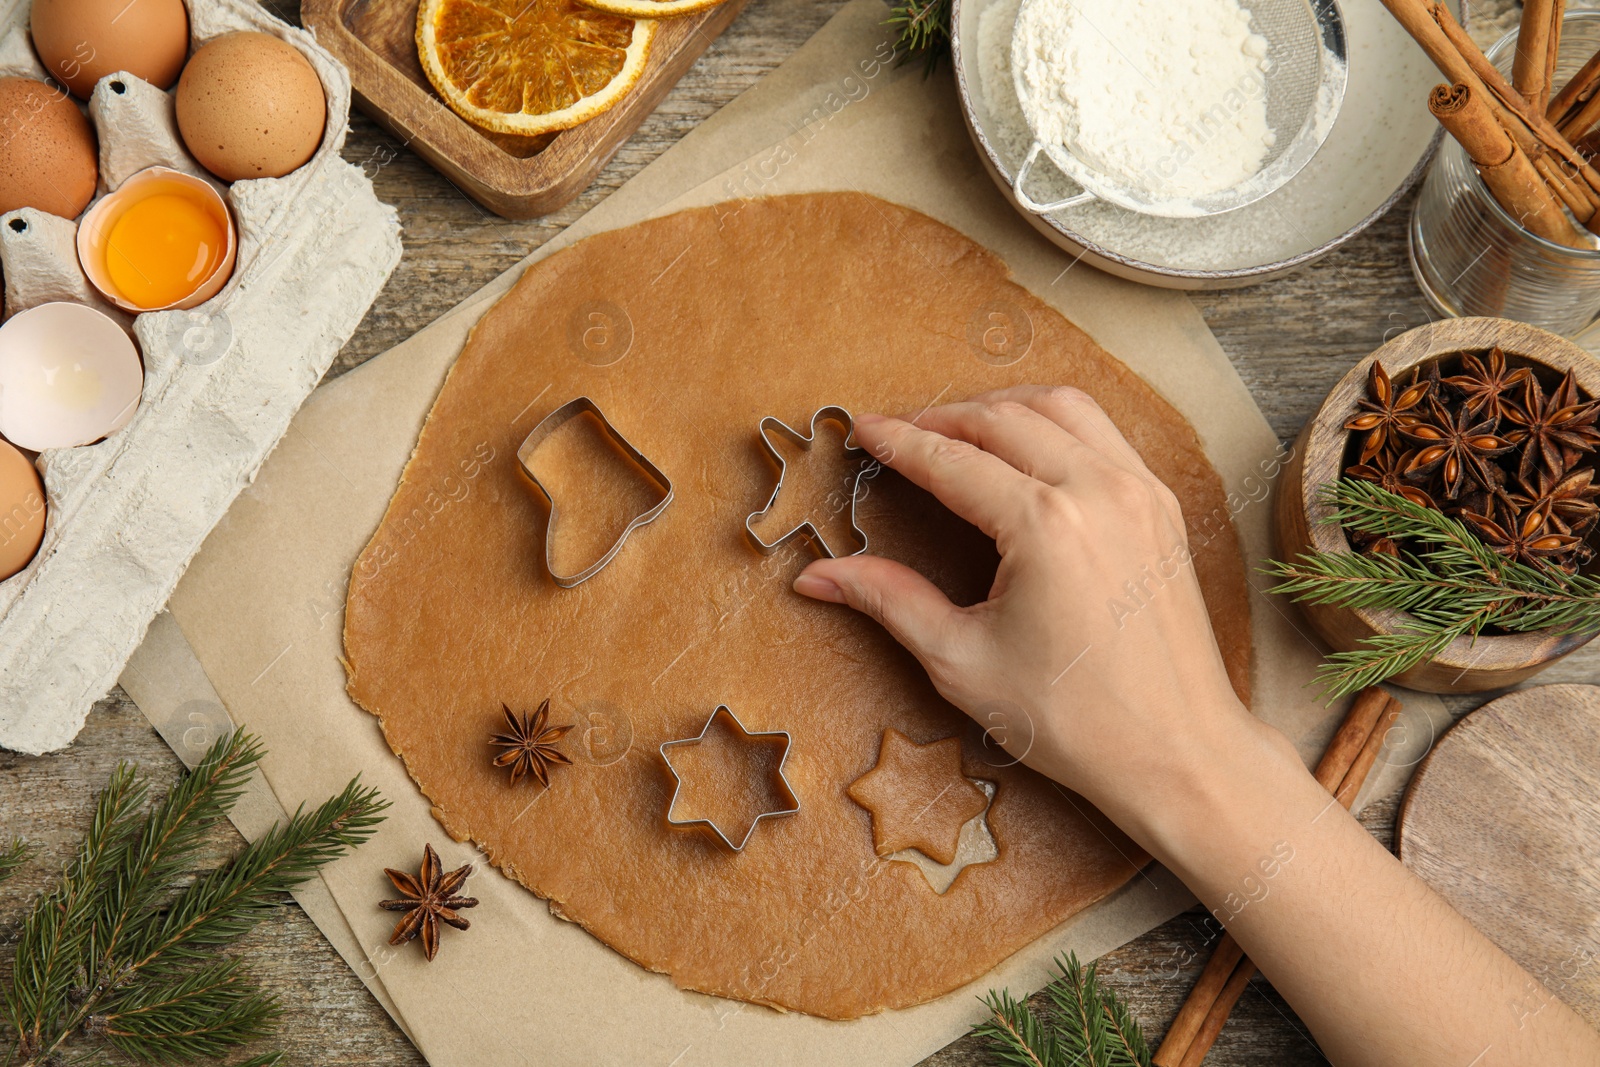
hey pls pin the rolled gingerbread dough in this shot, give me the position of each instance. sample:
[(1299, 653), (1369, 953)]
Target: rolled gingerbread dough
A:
[(686, 331)]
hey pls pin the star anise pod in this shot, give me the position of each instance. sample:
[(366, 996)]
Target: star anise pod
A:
[(530, 745), (1383, 412), (1546, 426), (1456, 446), (1386, 470), (1569, 500), (1526, 539), (1483, 388), (428, 899)]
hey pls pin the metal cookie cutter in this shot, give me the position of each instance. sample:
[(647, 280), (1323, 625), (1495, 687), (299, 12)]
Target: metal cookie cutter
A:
[(548, 425), (770, 427), (791, 802)]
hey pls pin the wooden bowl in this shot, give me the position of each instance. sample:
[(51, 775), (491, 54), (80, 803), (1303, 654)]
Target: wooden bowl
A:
[(1466, 666)]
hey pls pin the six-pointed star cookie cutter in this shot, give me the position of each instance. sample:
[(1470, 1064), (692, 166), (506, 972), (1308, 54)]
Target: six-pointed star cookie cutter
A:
[(791, 802), (548, 425), (771, 427)]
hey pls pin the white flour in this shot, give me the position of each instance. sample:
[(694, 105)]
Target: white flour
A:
[(1162, 97)]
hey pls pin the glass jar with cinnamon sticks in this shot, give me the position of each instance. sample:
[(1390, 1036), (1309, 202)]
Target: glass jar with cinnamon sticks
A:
[(1507, 220)]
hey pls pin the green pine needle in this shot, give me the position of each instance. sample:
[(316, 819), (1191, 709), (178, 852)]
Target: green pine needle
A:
[(1451, 583), (113, 955), (1089, 1025), (924, 30), (13, 856)]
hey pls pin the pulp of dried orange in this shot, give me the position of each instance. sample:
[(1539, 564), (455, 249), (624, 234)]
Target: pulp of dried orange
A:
[(528, 67), (652, 9)]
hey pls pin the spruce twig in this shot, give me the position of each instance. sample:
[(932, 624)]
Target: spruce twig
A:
[(924, 30), (1090, 1026), (13, 856), (111, 954), (1450, 582)]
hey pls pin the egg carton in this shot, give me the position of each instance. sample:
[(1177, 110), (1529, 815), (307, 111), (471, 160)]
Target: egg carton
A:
[(127, 514)]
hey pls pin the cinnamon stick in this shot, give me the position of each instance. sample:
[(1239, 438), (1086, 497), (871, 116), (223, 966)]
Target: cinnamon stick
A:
[(1506, 170), (1197, 1006), (1577, 91), (1579, 199), (1532, 67), (1356, 776), (1217, 1017), (1204, 1011)]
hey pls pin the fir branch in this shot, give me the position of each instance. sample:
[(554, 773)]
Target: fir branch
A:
[(107, 954), (55, 931), (1090, 1027), (924, 30), (13, 856), (224, 905), (1452, 584)]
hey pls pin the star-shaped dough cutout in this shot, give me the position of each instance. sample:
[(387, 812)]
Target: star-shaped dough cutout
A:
[(729, 778), (918, 796)]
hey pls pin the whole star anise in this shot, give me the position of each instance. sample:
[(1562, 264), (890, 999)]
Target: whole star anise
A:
[(1386, 469), (1526, 538), (428, 899), (1483, 388), (530, 745), (1569, 500), (1456, 445), (1546, 426), (1383, 413)]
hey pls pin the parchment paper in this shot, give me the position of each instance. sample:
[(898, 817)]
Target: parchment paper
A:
[(262, 605)]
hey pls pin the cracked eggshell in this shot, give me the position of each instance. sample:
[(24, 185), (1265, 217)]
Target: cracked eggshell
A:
[(82, 41), (68, 376)]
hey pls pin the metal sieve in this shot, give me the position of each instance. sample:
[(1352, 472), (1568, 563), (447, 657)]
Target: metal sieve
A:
[(1304, 81)]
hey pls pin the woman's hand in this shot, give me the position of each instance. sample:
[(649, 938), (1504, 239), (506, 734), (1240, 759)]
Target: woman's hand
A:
[(1096, 645), (1093, 659)]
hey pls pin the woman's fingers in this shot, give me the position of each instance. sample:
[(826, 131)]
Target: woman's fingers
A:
[(1024, 438), (981, 488), (910, 607), (1077, 413)]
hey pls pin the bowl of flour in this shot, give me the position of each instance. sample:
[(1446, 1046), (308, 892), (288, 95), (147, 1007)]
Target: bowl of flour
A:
[(1118, 110), (1179, 110)]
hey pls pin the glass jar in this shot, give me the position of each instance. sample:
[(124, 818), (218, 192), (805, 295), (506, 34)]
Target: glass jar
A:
[(1471, 258)]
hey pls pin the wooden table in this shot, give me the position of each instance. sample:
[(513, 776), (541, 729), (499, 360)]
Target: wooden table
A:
[(1290, 341)]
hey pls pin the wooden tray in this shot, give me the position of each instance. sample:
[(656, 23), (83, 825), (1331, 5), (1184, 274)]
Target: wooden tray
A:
[(518, 178)]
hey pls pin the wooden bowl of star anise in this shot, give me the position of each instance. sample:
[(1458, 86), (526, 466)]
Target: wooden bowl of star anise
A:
[(1493, 422)]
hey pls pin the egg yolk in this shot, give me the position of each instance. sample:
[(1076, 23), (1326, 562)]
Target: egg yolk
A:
[(162, 249)]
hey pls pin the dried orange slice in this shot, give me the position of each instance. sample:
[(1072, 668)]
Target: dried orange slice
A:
[(652, 9), (528, 67)]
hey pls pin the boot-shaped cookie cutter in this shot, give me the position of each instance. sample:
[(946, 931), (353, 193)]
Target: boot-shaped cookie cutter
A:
[(548, 425), (791, 803), (770, 428)]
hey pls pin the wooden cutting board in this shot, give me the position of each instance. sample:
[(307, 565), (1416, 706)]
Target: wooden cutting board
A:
[(516, 177), (1503, 819)]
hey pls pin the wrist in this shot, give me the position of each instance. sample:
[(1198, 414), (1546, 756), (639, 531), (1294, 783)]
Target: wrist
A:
[(1229, 794)]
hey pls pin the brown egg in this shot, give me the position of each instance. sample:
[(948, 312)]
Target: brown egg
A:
[(81, 41), (250, 106), (48, 160), (21, 511)]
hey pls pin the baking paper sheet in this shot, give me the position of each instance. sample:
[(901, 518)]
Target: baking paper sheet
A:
[(261, 607)]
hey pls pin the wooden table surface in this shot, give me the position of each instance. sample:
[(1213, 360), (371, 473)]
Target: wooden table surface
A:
[(1290, 340)]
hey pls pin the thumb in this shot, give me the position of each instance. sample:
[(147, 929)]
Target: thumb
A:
[(909, 606)]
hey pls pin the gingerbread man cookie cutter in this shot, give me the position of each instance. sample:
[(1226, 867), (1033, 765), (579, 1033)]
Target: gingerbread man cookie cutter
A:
[(548, 425), (771, 427), (791, 802)]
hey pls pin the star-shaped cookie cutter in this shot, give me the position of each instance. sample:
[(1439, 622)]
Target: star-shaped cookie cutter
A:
[(771, 427), (548, 425), (791, 802)]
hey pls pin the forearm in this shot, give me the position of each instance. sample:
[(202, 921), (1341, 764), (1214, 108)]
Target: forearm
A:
[(1382, 969)]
